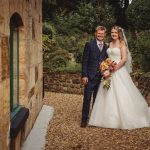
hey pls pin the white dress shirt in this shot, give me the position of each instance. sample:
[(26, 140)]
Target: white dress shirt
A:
[(98, 44)]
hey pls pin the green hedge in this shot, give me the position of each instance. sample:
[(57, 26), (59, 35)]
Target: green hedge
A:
[(140, 47)]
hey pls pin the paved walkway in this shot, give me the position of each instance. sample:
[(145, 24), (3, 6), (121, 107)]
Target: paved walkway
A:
[(36, 138), (64, 132)]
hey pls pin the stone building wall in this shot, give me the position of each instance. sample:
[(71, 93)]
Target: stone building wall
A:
[(71, 83), (30, 63)]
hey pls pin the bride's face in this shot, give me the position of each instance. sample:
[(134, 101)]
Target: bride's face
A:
[(114, 34)]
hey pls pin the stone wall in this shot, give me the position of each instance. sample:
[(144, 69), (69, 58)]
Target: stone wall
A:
[(143, 84), (4, 92), (63, 82), (71, 83), (30, 64)]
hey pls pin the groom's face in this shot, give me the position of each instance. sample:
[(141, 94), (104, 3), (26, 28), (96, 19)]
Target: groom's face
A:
[(100, 35)]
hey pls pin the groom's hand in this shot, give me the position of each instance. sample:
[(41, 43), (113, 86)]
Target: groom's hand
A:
[(84, 80)]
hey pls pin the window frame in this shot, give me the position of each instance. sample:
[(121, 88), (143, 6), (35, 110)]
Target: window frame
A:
[(14, 109)]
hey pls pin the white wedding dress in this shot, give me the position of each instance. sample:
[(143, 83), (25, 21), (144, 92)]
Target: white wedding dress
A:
[(121, 106)]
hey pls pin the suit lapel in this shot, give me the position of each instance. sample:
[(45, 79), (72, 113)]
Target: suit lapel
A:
[(96, 48), (104, 48)]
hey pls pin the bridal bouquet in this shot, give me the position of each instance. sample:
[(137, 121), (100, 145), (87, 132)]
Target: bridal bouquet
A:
[(106, 68)]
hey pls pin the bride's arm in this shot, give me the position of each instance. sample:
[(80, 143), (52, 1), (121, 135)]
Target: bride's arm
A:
[(123, 58)]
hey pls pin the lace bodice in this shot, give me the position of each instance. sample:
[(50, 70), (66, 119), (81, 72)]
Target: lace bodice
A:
[(114, 54)]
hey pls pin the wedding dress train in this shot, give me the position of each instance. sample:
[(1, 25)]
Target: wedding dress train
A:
[(121, 106)]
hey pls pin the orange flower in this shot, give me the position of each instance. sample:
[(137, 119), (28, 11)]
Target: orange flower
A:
[(108, 61), (104, 66)]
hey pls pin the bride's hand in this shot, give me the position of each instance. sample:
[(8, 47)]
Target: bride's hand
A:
[(116, 67)]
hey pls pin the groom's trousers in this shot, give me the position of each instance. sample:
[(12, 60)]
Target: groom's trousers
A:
[(89, 89)]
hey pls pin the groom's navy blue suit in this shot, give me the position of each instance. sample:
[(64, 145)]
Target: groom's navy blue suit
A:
[(92, 57)]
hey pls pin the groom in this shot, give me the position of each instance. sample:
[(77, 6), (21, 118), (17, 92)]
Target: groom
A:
[(94, 53)]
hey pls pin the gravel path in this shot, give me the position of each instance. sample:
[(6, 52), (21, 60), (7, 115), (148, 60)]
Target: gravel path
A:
[(64, 132)]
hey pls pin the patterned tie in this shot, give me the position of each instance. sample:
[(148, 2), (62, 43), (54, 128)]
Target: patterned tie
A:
[(100, 46)]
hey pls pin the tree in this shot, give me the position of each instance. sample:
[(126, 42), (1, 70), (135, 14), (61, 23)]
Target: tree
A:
[(120, 7), (48, 8), (51, 6), (138, 15), (84, 19)]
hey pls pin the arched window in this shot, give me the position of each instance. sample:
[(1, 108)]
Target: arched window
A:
[(15, 24)]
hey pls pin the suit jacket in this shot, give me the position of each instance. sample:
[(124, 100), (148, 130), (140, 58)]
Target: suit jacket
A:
[(92, 57)]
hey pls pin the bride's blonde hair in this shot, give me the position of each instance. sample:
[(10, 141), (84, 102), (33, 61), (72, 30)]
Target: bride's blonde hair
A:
[(120, 34)]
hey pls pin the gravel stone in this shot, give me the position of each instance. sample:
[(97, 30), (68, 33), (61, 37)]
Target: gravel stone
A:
[(64, 131)]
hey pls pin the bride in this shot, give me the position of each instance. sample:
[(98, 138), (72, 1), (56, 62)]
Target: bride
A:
[(121, 106)]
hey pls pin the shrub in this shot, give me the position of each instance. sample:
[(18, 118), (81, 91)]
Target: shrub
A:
[(138, 15), (49, 29), (140, 48)]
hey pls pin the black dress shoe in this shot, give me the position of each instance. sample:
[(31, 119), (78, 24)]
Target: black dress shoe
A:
[(83, 124)]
